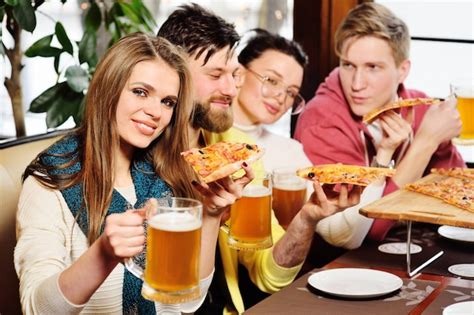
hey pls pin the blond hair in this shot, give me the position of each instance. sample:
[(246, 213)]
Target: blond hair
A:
[(98, 135), (372, 19)]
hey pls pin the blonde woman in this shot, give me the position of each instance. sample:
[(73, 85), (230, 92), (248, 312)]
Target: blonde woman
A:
[(73, 227)]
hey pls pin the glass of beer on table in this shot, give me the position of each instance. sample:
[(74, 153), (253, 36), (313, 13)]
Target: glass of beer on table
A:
[(289, 194), (463, 89), (250, 216), (173, 244)]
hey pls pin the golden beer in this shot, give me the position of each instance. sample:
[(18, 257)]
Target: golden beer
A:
[(288, 198), (466, 110), (250, 219), (463, 89), (173, 247)]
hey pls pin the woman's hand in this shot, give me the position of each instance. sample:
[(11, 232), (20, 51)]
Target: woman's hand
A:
[(219, 195), (124, 234), (329, 199)]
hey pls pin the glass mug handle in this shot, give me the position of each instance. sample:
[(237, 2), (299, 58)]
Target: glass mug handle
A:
[(136, 264), (134, 268)]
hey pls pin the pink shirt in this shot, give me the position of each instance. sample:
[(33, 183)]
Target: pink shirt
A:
[(331, 133)]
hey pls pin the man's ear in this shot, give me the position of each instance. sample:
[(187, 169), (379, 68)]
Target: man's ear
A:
[(403, 70)]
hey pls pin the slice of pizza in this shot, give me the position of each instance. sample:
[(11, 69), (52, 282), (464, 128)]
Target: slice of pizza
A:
[(455, 172), (221, 159), (368, 118), (458, 192), (348, 174)]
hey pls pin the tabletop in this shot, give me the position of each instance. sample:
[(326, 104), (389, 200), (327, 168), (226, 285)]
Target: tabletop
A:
[(426, 293)]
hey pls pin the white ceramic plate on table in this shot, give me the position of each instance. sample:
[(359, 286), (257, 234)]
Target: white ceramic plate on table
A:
[(355, 282), (463, 308), (457, 233)]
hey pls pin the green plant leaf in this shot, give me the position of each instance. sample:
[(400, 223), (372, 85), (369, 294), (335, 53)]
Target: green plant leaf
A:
[(24, 14), (148, 21), (42, 48), (2, 13), (110, 16), (129, 12), (93, 17), (63, 38), (64, 106), (41, 44), (87, 48), (56, 63), (41, 103), (79, 115), (11, 3), (2, 50), (59, 102), (77, 78)]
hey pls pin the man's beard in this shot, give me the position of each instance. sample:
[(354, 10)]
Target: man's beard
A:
[(212, 119)]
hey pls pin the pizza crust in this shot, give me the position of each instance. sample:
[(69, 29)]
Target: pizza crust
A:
[(368, 118), (230, 169), (344, 174)]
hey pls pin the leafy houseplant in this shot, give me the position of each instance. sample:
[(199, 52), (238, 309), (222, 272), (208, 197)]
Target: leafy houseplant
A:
[(66, 98)]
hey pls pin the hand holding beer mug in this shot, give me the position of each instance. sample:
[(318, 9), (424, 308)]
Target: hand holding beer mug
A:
[(289, 194), (250, 216), (173, 246), (464, 92)]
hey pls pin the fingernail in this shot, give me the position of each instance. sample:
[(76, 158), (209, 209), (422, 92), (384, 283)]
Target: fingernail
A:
[(245, 164), (194, 183)]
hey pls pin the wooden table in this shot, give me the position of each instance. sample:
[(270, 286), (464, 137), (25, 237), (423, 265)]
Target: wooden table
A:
[(295, 300), (415, 207)]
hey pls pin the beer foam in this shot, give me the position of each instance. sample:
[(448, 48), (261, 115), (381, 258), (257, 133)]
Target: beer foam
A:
[(290, 184), (256, 191), (175, 222)]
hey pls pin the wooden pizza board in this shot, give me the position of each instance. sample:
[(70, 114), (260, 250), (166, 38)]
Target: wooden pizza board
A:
[(408, 205)]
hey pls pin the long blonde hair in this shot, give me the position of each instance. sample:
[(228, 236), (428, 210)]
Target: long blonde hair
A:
[(98, 134)]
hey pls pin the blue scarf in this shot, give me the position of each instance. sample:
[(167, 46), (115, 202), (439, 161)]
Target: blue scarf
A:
[(147, 184)]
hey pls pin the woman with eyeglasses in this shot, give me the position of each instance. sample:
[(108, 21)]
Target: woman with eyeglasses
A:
[(270, 80)]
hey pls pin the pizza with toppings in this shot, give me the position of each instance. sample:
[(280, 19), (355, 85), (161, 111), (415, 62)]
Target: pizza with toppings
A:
[(348, 174), (459, 172), (368, 118), (221, 159), (456, 191)]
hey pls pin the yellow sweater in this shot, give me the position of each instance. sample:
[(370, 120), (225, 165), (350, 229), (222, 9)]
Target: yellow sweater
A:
[(262, 268)]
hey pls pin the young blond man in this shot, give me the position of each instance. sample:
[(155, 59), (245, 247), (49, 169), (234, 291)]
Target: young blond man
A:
[(373, 46)]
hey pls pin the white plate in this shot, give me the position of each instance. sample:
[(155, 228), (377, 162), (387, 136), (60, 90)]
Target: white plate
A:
[(355, 282), (456, 233), (463, 308), (463, 270), (399, 248)]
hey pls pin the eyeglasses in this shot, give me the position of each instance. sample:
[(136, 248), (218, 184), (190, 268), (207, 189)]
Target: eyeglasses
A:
[(272, 87)]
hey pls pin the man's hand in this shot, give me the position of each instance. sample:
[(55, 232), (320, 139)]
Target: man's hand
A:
[(395, 130), (440, 123), (329, 199)]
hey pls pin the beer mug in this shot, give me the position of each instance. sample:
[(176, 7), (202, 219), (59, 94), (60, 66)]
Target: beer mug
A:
[(173, 245), (464, 92), (250, 216), (289, 194)]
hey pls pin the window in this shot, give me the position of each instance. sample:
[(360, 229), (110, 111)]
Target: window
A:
[(442, 47)]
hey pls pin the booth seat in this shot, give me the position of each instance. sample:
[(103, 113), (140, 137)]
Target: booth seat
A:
[(14, 157)]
